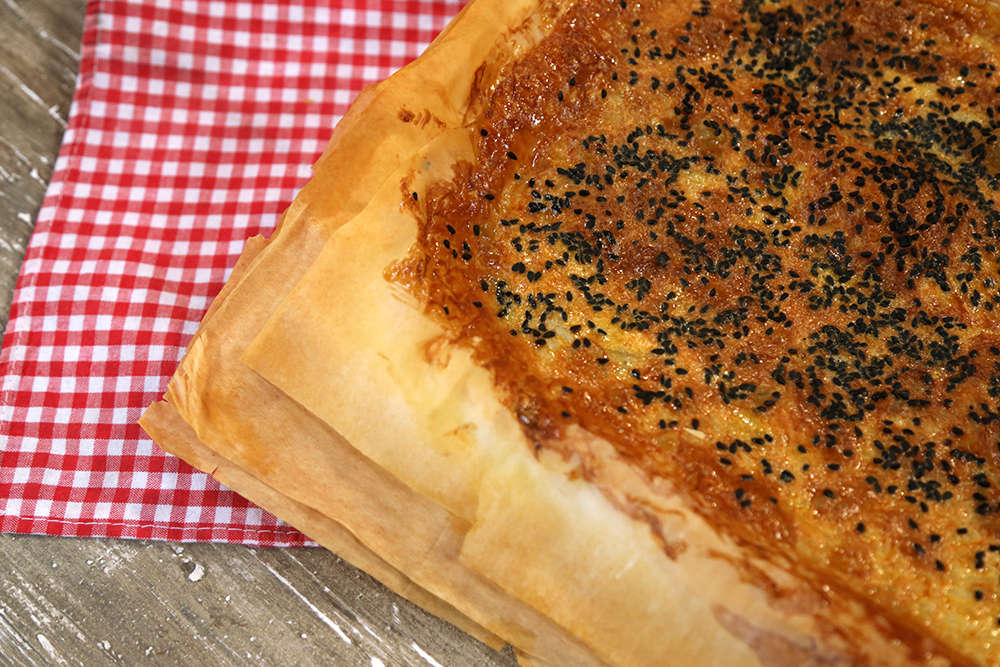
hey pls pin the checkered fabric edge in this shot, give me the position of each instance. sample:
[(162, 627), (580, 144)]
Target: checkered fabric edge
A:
[(193, 124)]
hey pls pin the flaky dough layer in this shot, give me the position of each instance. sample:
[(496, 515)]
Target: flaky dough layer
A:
[(322, 390)]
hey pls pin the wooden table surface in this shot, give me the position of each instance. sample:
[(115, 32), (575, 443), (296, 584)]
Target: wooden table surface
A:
[(94, 602)]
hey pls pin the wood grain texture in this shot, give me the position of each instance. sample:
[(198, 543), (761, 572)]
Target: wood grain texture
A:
[(93, 602), (39, 46), (96, 602)]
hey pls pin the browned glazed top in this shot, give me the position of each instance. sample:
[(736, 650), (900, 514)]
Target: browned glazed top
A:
[(756, 246)]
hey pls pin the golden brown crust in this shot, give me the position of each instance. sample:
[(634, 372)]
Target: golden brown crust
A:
[(211, 389), (772, 276), (415, 409), (164, 423), (296, 466), (543, 508)]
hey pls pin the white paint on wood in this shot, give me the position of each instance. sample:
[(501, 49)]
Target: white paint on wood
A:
[(47, 646), (42, 32), (313, 608), (197, 573), (11, 638), (38, 606), (425, 655), (14, 149), (326, 589), (367, 629), (52, 111)]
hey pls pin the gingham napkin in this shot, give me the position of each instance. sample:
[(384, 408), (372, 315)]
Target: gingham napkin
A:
[(194, 122)]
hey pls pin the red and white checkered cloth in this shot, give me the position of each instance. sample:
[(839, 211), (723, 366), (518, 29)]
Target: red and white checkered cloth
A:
[(194, 122)]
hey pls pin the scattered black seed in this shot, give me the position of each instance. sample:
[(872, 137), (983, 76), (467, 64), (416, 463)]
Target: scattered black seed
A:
[(897, 176)]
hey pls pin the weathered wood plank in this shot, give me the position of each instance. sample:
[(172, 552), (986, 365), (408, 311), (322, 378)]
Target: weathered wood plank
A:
[(39, 44), (72, 601)]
